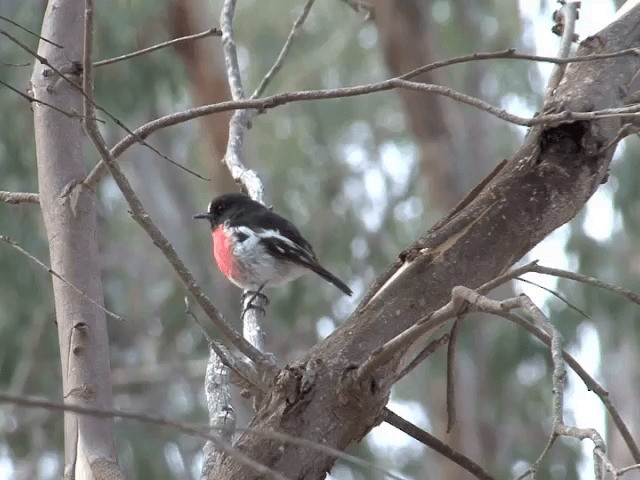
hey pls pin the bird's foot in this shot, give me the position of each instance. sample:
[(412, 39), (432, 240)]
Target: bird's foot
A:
[(249, 304)]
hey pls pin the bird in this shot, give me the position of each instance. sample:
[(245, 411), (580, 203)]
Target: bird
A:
[(254, 247)]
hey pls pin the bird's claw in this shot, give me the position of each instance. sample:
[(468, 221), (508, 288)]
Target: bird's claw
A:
[(248, 305)]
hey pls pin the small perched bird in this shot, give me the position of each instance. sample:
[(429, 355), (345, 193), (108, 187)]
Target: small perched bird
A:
[(255, 247)]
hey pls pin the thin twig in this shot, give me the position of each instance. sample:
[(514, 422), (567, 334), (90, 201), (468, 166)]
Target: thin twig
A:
[(553, 339), (77, 70), (17, 247), (512, 54), (555, 294), (207, 33), (451, 373), (30, 99), (19, 197), (435, 444), (556, 272), (2, 17), (424, 353), (140, 215), (185, 428), (273, 101), (285, 49)]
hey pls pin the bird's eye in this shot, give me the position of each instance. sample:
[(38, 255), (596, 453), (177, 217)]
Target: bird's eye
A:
[(219, 209)]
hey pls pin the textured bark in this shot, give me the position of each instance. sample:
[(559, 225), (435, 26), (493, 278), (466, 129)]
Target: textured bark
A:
[(70, 223), (543, 186)]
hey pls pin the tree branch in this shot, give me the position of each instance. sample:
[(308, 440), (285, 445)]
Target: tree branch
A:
[(140, 215), (52, 272), (435, 444), (194, 430), (285, 49), (19, 197), (187, 38), (277, 100), (566, 22)]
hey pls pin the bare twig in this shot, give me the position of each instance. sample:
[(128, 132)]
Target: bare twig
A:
[(555, 294), (432, 442), (188, 38), (401, 342), (185, 428), (274, 101), (140, 215), (533, 267), (77, 70), (30, 99), (19, 197), (556, 272), (540, 323), (512, 54), (17, 247), (2, 17), (424, 353), (624, 131), (285, 49), (451, 373), (566, 18)]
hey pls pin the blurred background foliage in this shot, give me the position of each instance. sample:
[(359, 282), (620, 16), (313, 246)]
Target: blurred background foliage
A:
[(362, 178)]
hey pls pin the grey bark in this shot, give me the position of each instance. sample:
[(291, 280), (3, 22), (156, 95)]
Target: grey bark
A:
[(543, 186), (70, 223)]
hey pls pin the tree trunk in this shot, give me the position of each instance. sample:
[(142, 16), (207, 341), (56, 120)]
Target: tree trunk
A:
[(543, 186), (73, 246)]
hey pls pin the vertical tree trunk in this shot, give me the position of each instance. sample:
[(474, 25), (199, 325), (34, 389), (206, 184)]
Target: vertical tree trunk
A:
[(70, 222)]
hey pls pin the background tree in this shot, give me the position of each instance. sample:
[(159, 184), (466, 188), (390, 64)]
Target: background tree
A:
[(363, 156)]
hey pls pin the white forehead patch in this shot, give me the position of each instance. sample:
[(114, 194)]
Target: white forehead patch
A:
[(209, 206)]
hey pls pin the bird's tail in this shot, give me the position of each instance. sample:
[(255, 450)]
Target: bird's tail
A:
[(330, 277)]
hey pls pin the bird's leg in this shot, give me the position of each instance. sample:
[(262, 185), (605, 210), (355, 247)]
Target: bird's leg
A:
[(254, 295)]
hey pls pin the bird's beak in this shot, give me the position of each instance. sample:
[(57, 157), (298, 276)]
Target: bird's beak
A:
[(203, 215)]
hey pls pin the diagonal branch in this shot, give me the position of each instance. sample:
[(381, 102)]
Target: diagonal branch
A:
[(285, 50), (140, 215), (187, 38), (435, 444), (15, 24), (17, 247)]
